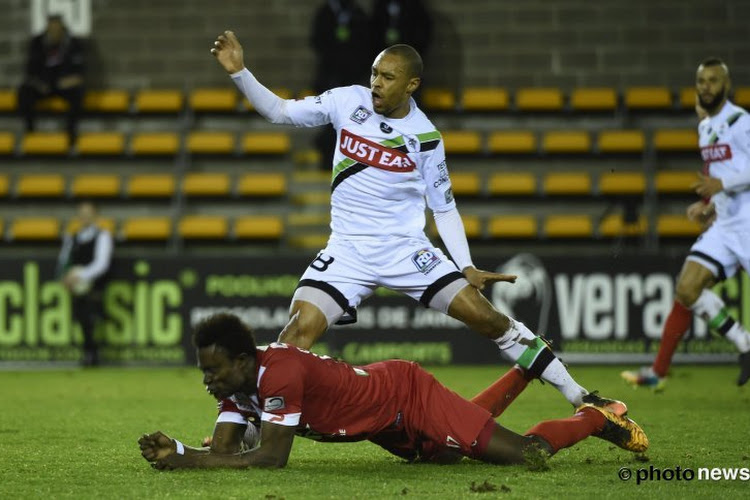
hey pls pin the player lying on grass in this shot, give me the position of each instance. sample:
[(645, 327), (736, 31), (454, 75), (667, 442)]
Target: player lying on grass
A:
[(395, 404)]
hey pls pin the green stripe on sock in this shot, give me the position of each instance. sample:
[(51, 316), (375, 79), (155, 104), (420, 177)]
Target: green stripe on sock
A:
[(716, 322), (529, 355)]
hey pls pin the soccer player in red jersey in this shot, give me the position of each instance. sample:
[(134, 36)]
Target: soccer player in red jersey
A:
[(395, 404)]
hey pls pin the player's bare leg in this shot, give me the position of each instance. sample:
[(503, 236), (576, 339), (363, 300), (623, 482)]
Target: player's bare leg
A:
[(306, 325)]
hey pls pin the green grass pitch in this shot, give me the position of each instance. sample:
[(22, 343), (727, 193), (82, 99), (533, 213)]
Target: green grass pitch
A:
[(72, 434)]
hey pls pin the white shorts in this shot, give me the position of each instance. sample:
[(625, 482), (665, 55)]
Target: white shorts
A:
[(346, 272), (721, 251)]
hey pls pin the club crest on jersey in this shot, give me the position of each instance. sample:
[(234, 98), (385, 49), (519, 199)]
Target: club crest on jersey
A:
[(425, 260), (385, 128), (360, 115), (273, 404), (716, 152), (412, 144), (373, 154)]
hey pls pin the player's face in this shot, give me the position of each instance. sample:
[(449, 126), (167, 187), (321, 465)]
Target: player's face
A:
[(86, 214), (222, 375), (391, 86), (712, 86)]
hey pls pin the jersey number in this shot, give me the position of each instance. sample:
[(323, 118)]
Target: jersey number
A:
[(321, 264)]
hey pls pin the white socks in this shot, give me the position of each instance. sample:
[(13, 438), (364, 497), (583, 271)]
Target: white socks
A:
[(712, 309)]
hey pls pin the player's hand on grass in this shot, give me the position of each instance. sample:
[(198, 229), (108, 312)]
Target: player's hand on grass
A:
[(156, 446), (479, 279), (228, 52), (707, 186)]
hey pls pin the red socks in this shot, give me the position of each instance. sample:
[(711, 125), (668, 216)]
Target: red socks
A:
[(497, 397), (675, 327), (568, 431)]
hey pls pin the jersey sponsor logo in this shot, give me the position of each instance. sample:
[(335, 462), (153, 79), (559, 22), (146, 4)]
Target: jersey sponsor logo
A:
[(385, 128), (412, 144), (273, 403), (373, 154), (716, 152), (360, 115), (449, 196), (425, 260)]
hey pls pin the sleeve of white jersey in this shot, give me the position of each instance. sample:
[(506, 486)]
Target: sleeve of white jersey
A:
[(439, 193), (741, 180)]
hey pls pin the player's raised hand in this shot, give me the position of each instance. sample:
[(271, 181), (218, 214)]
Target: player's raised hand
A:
[(156, 446), (707, 186), (228, 52), (479, 279)]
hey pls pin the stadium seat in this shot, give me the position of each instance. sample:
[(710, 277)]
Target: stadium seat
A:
[(675, 181), (742, 97), (266, 143), (150, 186), (614, 225), (566, 183), (4, 186), (101, 143), (155, 143), (40, 186), (96, 186), (107, 101), (484, 99), (622, 183), (648, 98), (158, 101), (262, 185), (621, 141), (203, 227), (8, 101), (258, 227), (512, 184), (462, 142), (512, 226), (568, 226), (34, 229), (53, 104), (44, 143), (147, 228), (314, 241), (107, 223), (512, 142), (7, 143), (593, 99), (216, 100), (2, 229), (539, 99), (566, 142), (465, 183), (211, 142), (206, 184), (676, 140), (687, 97), (437, 99), (677, 226)]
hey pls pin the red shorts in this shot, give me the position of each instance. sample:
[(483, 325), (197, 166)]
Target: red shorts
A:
[(434, 418)]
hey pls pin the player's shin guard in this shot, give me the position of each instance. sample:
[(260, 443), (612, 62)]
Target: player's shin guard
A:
[(711, 308), (566, 432), (675, 327)]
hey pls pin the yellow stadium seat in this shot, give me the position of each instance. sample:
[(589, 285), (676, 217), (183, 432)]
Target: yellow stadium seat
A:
[(676, 140), (45, 143), (266, 143), (40, 186), (439, 99), (211, 142), (567, 183), (465, 183), (214, 99), (485, 99), (512, 226), (314, 241), (687, 97), (158, 101), (512, 183), (258, 227), (622, 183), (34, 229), (8, 100), (101, 143), (676, 226), (147, 228), (7, 143), (4, 186), (2, 229), (593, 99), (539, 99), (675, 181), (512, 142), (621, 141), (155, 143), (742, 97), (150, 186), (462, 142), (96, 186), (206, 184), (107, 101), (614, 225), (203, 227), (568, 226), (53, 104), (648, 98), (107, 223), (566, 142), (262, 185)]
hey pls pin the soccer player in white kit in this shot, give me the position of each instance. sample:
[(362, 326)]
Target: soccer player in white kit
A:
[(724, 248), (389, 160)]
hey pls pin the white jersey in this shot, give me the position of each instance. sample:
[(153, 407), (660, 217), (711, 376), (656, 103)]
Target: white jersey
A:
[(383, 168), (724, 140)]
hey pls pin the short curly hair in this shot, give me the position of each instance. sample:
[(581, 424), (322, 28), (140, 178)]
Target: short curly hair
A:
[(227, 331)]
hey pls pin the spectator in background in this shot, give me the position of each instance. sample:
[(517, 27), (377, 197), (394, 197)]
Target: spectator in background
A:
[(55, 67), (401, 21), (84, 261), (341, 40)]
